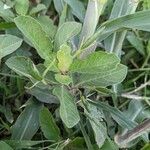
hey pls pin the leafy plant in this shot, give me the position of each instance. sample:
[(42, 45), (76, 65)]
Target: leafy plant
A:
[(70, 66)]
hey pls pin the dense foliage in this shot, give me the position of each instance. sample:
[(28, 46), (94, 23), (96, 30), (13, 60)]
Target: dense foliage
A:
[(75, 74)]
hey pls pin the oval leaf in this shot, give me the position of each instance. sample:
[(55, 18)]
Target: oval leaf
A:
[(22, 6), (104, 79), (35, 34), (8, 44), (68, 110), (95, 63), (24, 67)]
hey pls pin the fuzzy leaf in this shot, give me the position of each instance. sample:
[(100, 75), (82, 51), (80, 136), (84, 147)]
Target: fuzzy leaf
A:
[(35, 34), (24, 67), (103, 79), (68, 110), (95, 63), (22, 6), (64, 58), (63, 79), (8, 44)]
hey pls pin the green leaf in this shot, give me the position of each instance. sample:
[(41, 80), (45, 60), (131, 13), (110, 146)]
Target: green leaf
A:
[(122, 120), (59, 4), (95, 117), (22, 6), (114, 42), (77, 8), (35, 34), (63, 79), (137, 43), (47, 25), (24, 67), (109, 145), (43, 95), (65, 32), (4, 146), (68, 110), (76, 144), (64, 58), (48, 125), (94, 10), (8, 44), (37, 9), (138, 20), (146, 147), (97, 62), (27, 123), (103, 79)]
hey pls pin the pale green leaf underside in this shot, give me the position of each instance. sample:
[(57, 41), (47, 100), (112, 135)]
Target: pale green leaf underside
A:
[(8, 44), (95, 63), (32, 29), (68, 110)]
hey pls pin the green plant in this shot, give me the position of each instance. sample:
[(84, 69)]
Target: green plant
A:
[(77, 67)]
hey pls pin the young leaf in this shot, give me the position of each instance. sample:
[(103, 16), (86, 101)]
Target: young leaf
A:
[(24, 67), (35, 34), (64, 58), (63, 79), (48, 125), (22, 6), (68, 110), (8, 44), (65, 32), (27, 123), (95, 63)]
